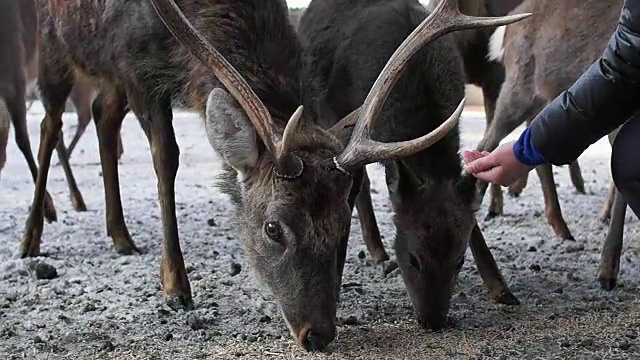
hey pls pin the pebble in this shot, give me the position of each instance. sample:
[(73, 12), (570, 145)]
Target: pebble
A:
[(362, 254), (265, 319), (194, 322), (535, 267), (43, 271), (211, 222), (235, 269)]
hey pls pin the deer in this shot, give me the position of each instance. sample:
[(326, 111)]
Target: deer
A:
[(346, 46), (237, 64), (488, 75), (17, 48), (542, 58), (81, 97)]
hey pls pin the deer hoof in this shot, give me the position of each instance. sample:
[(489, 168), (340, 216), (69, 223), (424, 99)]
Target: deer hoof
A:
[(179, 302), (507, 298), (608, 284)]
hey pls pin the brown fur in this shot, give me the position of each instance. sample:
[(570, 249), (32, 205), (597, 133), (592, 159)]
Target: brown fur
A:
[(543, 56)]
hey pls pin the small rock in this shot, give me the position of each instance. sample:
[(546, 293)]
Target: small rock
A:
[(89, 307), (535, 267), (558, 290), (586, 343), (168, 336), (107, 346), (235, 269), (574, 248), (624, 345), (265, 319), (211, 222), (362, 254), (43, 271), (351, 320), (565, 344), (38, 340), (252, 338), (194, 322), (532, 249)]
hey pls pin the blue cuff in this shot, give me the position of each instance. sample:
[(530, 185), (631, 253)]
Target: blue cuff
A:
[(525, 152)]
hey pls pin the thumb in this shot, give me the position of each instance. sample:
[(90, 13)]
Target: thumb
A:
[(482, 164)]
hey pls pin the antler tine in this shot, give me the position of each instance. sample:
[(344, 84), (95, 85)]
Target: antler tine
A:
[(182, 29), (284, 146), (444, 19)]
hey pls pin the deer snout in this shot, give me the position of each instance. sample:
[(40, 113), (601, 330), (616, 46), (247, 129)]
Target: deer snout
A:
[(316, 338)]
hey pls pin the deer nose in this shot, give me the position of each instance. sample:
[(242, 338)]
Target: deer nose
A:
[(317, 338)]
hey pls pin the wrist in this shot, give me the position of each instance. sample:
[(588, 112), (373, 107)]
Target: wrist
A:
[(525, 152)]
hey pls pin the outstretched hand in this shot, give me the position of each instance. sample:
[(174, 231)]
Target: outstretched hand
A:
[(499, 167)]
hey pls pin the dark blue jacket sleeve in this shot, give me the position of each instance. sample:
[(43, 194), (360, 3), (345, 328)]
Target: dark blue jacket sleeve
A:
[(602, 99)]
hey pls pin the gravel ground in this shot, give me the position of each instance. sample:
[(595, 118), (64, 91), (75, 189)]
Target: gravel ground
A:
[(101, 305)]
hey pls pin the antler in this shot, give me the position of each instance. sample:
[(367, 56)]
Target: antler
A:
[(287, 164), (446, 18)]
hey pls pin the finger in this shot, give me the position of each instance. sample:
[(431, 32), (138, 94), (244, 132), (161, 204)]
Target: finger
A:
[(482, 164), (494, 175), (471, 155)]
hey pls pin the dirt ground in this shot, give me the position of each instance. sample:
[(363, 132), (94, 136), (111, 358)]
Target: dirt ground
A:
[(105, 306)]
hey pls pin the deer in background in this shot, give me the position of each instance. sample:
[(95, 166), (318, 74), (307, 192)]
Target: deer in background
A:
[(237, 64), (543, 57), (489, 75), (347, 45), (81, 97), (18, 23)]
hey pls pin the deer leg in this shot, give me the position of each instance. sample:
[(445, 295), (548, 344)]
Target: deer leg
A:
[(81, 98), (4, 132), (76, 197), (610, 258), (55, 82), (518, 186), (605, 212), (576, 177), (165, 153), (17, 109), (489, 271), (551, 203), (356, 188), (496, 201), (370, 231), (109, 109), (490, 92)]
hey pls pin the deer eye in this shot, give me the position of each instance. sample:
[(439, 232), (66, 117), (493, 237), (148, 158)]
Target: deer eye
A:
[(273, 230)]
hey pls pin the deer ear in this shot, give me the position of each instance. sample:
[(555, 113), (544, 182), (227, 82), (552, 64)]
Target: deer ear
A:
[(230, 132), (401, 180)]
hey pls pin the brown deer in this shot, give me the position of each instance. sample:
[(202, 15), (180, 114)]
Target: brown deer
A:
[(81, 97), (489, 75), (536, 72), (17, 47), (347, 45), (289, 179)]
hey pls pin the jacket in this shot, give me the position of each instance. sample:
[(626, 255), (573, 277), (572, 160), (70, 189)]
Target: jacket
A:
[(603, 98)]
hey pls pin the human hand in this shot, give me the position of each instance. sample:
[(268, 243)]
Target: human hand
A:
[(499, 167)]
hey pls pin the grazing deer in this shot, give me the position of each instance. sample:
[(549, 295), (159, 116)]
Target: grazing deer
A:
[(489, 75), (17, 48), (347, 45), (289, 179), (540, 63)]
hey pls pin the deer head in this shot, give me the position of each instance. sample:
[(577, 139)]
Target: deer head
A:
[(293, 183)]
